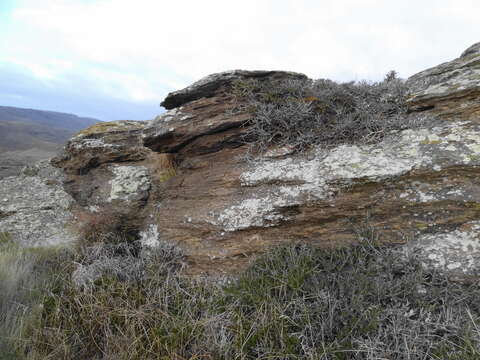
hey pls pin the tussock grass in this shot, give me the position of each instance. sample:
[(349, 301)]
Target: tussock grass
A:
[(120, 300), (15, 280), (295, 302), (25, 274)]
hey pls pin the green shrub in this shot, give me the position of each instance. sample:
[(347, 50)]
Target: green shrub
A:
[(302, 113)]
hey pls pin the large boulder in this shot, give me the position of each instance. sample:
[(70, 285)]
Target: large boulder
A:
[(35, 210), (184, 177)]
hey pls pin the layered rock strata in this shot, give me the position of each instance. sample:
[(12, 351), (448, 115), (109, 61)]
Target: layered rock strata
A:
[(184, 178)]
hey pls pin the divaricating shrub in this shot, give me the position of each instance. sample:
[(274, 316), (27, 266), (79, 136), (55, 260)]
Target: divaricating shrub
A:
[(302, 113), (106, 226), (295, 302)]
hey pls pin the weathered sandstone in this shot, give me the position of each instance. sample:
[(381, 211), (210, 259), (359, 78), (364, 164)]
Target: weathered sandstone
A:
[(450, 90), (184, 178), (34, 208)]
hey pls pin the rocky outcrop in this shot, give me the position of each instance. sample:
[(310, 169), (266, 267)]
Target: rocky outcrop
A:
[(450, 90), (35, 209), (184, 178)]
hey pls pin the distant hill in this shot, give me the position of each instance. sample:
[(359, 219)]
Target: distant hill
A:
[(28, 135)]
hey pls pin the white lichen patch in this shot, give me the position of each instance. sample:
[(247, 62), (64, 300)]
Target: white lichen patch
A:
[(424, 193), (176, 114), (165, 123), (129, 182), (456, 251), (276, 152), (81, 144), (417, 195), (298, 180), (249, 213), (150, 236), (454, 77)]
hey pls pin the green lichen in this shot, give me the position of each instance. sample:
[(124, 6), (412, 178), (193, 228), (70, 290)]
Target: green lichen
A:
[(5, 237), (473, 205), (421, 225), (474, 157), (167, 174), (30, 171), (103, 127), (454, 86)]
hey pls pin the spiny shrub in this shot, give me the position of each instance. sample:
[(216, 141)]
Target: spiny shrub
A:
[(295, 302), (106, 226), (302, 113), (362, 302), (123, 261)]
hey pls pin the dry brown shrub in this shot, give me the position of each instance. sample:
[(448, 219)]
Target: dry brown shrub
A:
[(106, 226)]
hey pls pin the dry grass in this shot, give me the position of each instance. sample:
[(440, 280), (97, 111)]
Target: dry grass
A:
[(25, 273), (295, 302)]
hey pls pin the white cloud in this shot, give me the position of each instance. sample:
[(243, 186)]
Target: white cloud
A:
[(137, 49)]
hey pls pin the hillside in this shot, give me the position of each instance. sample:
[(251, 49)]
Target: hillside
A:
[(29, 135)]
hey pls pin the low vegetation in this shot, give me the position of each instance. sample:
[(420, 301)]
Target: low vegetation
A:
[(25, 273), (111, 297), (302, 113), (117, 300)]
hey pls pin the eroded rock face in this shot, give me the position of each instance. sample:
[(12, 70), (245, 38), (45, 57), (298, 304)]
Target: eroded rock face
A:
[(35, 209), (185, 179), (209, 85), (116, 141), (450, 90)]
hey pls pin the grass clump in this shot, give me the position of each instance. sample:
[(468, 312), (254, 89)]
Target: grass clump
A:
[(302, 113), (25, 274), (4, 238), (295, 302)]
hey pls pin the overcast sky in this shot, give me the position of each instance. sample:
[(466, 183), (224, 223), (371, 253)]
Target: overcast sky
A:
[(117, 59)]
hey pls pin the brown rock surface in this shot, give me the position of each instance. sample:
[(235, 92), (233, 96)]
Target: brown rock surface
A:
[(184, 178), (209, 86)]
